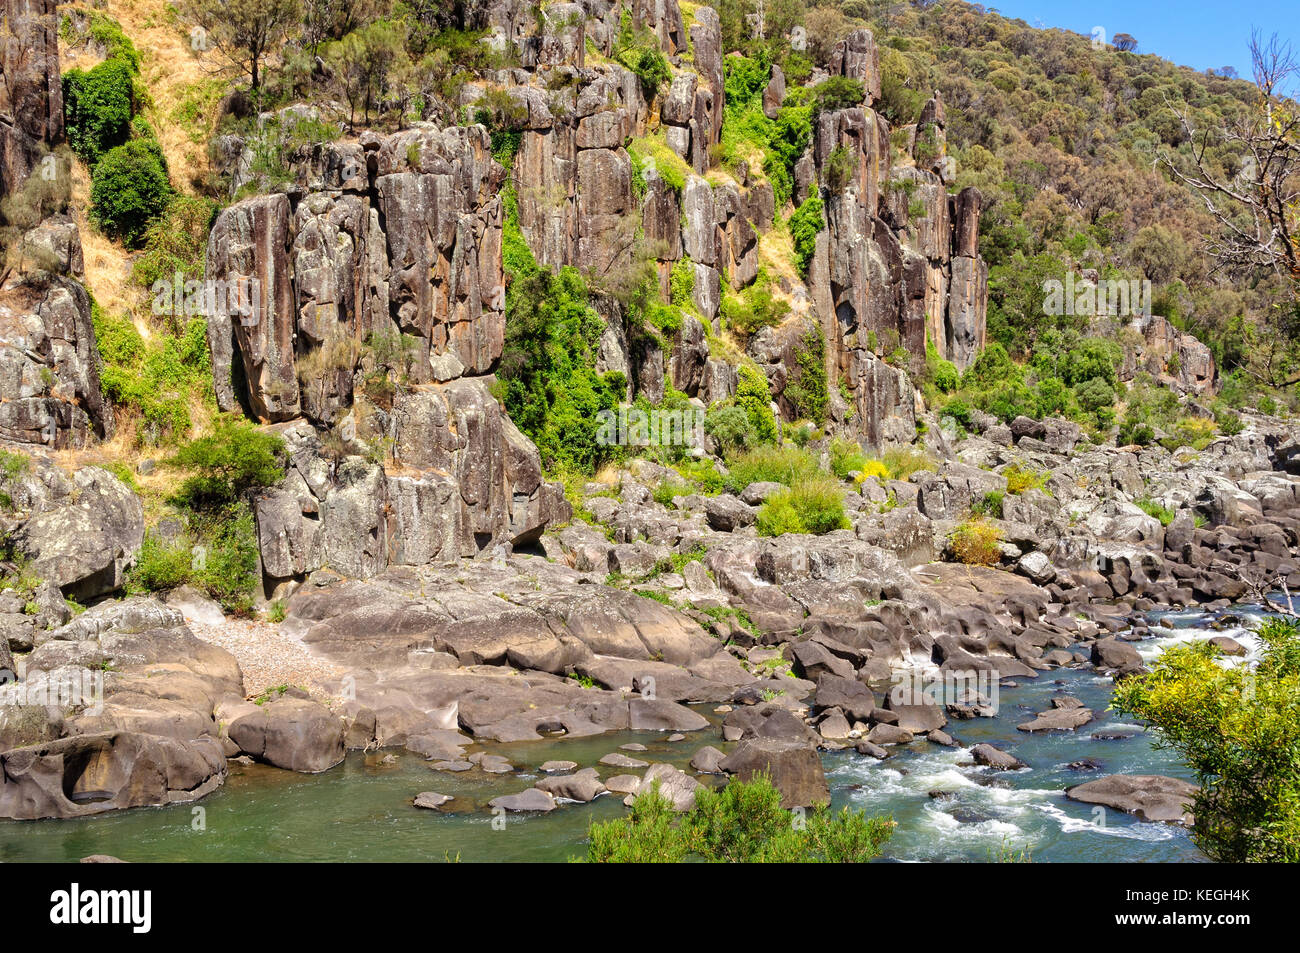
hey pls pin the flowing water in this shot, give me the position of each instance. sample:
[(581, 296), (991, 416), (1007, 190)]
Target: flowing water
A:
[(361, 810)]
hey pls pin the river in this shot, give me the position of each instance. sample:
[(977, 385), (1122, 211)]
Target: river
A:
[(361, 810)]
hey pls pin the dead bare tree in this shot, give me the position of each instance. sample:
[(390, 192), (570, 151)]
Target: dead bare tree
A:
[(1260, 585), (1257, 207)]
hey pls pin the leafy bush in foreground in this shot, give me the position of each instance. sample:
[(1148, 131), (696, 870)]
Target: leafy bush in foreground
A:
[(1238, 728), (742, 823)]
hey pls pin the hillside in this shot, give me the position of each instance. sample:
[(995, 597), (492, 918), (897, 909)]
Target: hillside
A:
[(428, 376)]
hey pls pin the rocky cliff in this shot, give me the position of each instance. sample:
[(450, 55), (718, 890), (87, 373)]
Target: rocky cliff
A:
[(398, 238), (49, 367)]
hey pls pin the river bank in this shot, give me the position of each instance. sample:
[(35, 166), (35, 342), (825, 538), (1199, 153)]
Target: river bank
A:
[(361, 809)]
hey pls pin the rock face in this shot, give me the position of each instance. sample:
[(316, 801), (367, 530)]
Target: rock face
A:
[(319, 298), (1174, 356), (898, 264), (49, 367)]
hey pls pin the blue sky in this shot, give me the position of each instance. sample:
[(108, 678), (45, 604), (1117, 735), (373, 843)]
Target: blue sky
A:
[(1196, 33)]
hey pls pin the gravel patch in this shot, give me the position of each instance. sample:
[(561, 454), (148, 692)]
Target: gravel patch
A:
[(269, 656)]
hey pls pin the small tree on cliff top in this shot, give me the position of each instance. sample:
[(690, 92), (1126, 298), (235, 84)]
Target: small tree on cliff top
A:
[(245, 32)]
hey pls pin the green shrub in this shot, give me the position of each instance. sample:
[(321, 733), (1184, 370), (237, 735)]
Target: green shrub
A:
[(1094, 394), (838, 92), (754, 307), (1092, 358), (103, 32), (547, 379), (668, 164), (946, 377), (902, 462), (1229, 423), (993, 367), (1151, 508), (663, 493), (217, 554), (97, 108), (176, 242), (741, 823), (730, 427), (1135, 431), (977, 543), (235, 457), (988, 506), (681, 283), (808, 393), (754, 396), (650, 67), (805, 223), (1010, 401), (770, 464), (1235, 726), (1021, 480), (847, 458), (960, 411), (809, 506), (703, 474), (155, 379), (129, 190)]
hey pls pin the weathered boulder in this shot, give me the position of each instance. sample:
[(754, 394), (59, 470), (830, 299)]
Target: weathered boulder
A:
[(533, 800), (93, 773), (996, 758), (84, 543), (673, 784), (583, 786), (291, 733), (795, 769), (1151, 797)]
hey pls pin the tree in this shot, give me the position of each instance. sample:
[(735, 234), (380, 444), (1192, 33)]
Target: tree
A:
[(130, 189), (1124, 42), (366, 62), (1256, 204), (97, 107), (1238, 728), (234, 458), (743, 823), (245, 32)]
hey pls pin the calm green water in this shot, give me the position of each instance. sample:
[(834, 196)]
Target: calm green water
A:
[(361, 810)]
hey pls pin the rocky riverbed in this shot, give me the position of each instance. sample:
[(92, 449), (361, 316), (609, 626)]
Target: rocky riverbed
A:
[(945, 808), (787, 654)]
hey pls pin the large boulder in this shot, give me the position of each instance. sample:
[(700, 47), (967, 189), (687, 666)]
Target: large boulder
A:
[(292, 733), (93, 773), (84, 542), (1151, 797), (794, 768)]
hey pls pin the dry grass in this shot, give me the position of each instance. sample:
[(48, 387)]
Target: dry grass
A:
[(171, 70), (776, 254), (108, 264)]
